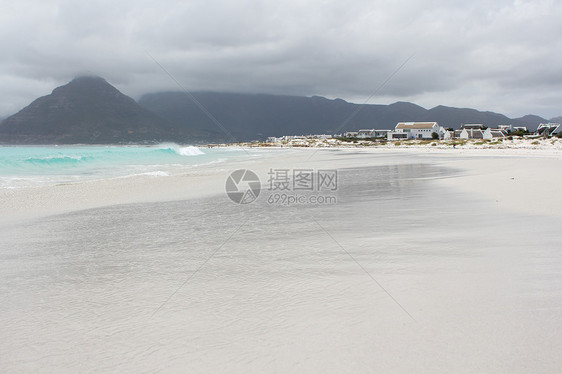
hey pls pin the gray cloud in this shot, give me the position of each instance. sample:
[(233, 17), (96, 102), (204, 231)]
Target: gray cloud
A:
[(499, 56)]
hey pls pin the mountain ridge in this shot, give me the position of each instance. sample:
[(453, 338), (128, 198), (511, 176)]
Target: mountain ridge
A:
[(89, 110), (251, 116)]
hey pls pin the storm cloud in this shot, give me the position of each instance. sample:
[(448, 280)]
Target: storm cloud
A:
[(501, 56)]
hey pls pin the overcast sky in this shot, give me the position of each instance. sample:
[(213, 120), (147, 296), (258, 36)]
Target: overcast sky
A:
[(503, 56)]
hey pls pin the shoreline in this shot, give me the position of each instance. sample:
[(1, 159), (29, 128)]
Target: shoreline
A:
[(509, 177), (553, 143)]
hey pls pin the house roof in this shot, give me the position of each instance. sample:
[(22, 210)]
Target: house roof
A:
[(497, 133), (471, 133), (415, 125), (547, 128)]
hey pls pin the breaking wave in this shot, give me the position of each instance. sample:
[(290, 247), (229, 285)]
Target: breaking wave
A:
[(180, 150)]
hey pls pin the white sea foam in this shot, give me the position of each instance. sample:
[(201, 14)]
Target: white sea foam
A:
[(190, 151), (181, 150), (157, 173)]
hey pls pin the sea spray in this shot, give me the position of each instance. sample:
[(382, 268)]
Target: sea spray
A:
[(180, 150)]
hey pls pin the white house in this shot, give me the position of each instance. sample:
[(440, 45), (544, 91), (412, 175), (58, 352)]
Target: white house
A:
[(289, 138), (381, 133), (372, 133), (494, 133), (473, 126), (471, 133), (350, 134), (447, 135), (319, 136), (547, 129), (365, 133), (415, 130)]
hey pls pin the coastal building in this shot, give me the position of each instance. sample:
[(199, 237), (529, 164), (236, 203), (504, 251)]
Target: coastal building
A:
[(494, 133), (448, 135), (293, 137), (362, 134), (319, 136), (477, 132), (367, 133), (474, 126), (471, 133), (415, 130), (381, 133), (290, 138), (547, 129), (511, 128), (372, 133)]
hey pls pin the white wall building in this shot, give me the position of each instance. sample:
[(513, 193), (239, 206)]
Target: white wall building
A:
[(381, 133), (473, 126), (547, 129), (471, 133), (415, 130), (494, 133), (362, 134), (319, 136), (447, 135), (372, 133)]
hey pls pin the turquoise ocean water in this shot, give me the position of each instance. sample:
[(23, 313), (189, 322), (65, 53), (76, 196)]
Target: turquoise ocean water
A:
[(29, 166)]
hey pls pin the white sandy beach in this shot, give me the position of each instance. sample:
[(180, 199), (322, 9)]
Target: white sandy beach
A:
[(432, 261)]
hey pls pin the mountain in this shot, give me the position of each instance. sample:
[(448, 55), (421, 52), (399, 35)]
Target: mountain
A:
[(531, 121), (256, 116), (454, 117), (88, 110), (556, 119), (249, 116)]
